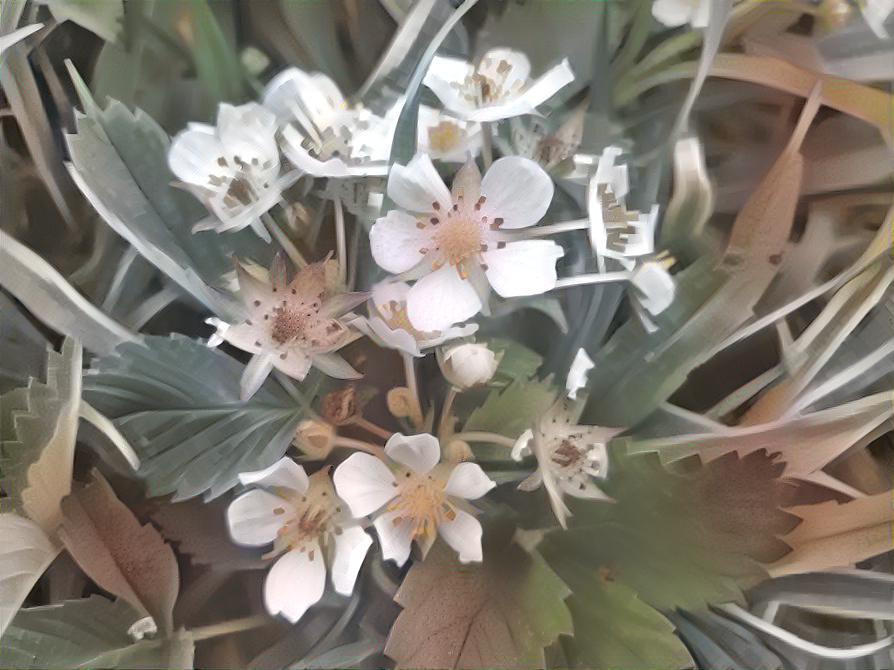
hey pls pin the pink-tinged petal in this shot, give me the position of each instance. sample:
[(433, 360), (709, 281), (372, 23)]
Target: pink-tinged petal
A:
[(254, 375), (521, 268), (440, 299), (243, 336), (420, 452), (365, 483), (396, 242), (296, 363), (395, 536), (416, 186), (518, 191), (351, 546), (295, 582), (463, 533), (285, 473), (468, 481), (194, 154), (253, 518), (254, 292)]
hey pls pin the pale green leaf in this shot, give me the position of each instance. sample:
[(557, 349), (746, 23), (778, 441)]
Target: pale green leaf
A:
[(25, 553), (101, 17), (512, 410)]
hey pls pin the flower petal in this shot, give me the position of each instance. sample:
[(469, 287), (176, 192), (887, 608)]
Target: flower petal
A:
[(417, 185), (302, 159), (193, 156), (296, 364), (520, 268), (655, 287), (395, 536), (518, 190), (295, 582), (285, 473), (522, 446), (468, 481), (463, 533), (351, 546), (396, 242), (254, 375), (420, 452), (577, 375), (247, 133), (508, 66), (252, 517), (365, 483), (440, 299), (444, 77), (543, 88)]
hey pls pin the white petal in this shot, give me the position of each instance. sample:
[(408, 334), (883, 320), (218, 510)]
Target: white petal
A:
[(252, 517), (365, 483), (335, 366), (295, 582), (296, 364), (577, 375), (464, 535), (254, 374), (304, 161), (350, 550), (416, 185), (518, 190), (386, 292), (584, 489), (508, 66), (395, 536), (285, 473), (193, 155), (444, 76), (543, 88), (420, 452), (398, 339), (520, 268), (440, 299), (522, 446), (248, 132), (672, 13), (468, 481), (655, 287), (395, 242)]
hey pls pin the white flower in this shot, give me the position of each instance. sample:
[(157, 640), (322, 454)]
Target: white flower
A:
[(290, 325), (577, 375), (568, 456), (422, 498), (9, 39), (674, 13), (331, 139), (454, 241), (616, 232), (389, 326), (309, 529), (447, 138), (234, 167), (498, 87), (468, 365)]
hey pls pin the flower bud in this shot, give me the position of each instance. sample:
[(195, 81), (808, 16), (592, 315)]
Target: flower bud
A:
[(468, 365), (458, 451), (314, 438), (339, 407)]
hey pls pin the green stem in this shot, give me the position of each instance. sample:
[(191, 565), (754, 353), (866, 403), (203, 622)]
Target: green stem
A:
[(483, 436)]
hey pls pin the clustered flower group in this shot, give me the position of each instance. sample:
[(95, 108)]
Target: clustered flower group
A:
[(452, 253)]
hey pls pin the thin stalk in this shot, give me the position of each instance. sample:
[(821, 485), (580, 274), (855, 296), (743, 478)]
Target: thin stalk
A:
[(487, 149), (551, 229), (445, 425), (362, 445), (412, 386), (291, 250), (482, 436), (230, 627), (593, 278), (370, 427), (340, 244)]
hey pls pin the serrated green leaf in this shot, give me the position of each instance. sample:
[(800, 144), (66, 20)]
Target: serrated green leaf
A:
[(103, 18), (512, 410), (500, 613), (92, 632), (119, 161), (40, 424), (517, 362), (177, 402), (679, 541)]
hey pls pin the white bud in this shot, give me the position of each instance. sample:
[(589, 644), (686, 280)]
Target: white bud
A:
[(467, 365), (655, 287)]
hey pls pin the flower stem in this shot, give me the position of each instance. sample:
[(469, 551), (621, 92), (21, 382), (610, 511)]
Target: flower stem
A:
[(445, 426), (412, 386), (230, 627), (370, 427), (284, 241), (361, 445), (340, 242), (487, 149), (552, 229), (594, 278), (482, 436)]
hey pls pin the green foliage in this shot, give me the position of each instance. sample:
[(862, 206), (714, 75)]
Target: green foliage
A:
[(512, 410), (92, 632), (102, 18), (177, 402), (217, 62), (517, 362)]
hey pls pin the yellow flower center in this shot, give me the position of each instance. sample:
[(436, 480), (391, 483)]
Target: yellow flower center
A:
[(444, 137), (422, 501)]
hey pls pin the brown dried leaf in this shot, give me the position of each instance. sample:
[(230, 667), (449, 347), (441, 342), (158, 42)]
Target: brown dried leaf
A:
[(123, 557), (500, 613), (835, 535)]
